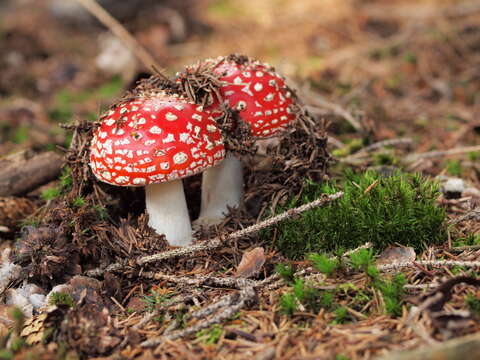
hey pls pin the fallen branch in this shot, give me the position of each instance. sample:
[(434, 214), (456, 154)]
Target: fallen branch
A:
[(231, 304), (433, 263), (9, 272), (119, 31), (378, 145), (221, 240), (238, 283), (471, 215), (335, 109), (442, 153), (225, 301), (24, 172)]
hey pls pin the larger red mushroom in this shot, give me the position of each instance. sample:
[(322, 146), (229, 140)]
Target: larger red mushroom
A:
[(155, 140)]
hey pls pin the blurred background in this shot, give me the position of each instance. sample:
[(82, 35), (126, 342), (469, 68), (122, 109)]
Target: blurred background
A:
[(376, 69)]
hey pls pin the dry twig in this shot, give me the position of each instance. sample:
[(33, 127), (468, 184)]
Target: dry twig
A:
[(433, 263), (220, 240), (471, 215), (336, 109), (231, 304), (378, 145), (22, 173), (441, 153), (119, 31)]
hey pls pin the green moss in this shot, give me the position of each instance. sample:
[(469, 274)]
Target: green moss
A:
[(410, 57), (454, 168), (307, 295), (17, 344), (111, 88), (286, 272), (210, 335), (474, 155), (392, 291), (224, 9), (384, 158), (65, 185), (324, 264), (469, 240), (341, 315), (63, 106), (78, 202), (288, 303), (327, 300), (350, 148), (59, 298), (397, 209), (50, 194), (101, 212), (6, 354), (473, 304), (66, 178), (310, 298), (361, 259), (20, 135)]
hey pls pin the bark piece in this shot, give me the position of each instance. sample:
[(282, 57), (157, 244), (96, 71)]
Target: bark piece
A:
[(13, 209), (23, 172)]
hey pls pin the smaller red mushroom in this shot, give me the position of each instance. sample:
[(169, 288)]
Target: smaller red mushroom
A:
[(261, 98), (155, 140)]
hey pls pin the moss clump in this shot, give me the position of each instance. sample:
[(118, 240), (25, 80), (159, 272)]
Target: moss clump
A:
[(383, 210), (59, 298)]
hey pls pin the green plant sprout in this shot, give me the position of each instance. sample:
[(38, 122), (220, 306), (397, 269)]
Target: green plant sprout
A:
[(324, 264), (156, 298), (211, 335)]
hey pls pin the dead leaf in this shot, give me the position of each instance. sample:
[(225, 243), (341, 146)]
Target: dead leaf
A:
[(136, 304), (251, 263), (36, 327), (395, 254)]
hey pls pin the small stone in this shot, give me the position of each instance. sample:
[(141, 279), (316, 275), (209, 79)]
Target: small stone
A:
[(453, 187)]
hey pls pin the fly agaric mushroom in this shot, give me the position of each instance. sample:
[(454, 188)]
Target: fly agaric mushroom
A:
[(261, 99), (155, 140)]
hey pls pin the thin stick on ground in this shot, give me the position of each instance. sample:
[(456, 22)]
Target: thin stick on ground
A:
[(442, 153), (433, 263), (471, 215), (119, 31), (404, 142), (220, 240), (337, 110), (231, 304)]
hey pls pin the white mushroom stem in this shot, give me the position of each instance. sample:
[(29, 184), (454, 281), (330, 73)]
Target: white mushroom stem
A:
[(168, 213), (222, 187)]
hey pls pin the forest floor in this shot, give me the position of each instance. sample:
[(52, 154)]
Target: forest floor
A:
[(393, 85)]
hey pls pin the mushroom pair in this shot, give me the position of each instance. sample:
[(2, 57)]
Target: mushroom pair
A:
[(157, 137)]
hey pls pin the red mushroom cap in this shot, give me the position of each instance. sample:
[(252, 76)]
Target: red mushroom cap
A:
[(154, 139), (257, 92)]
